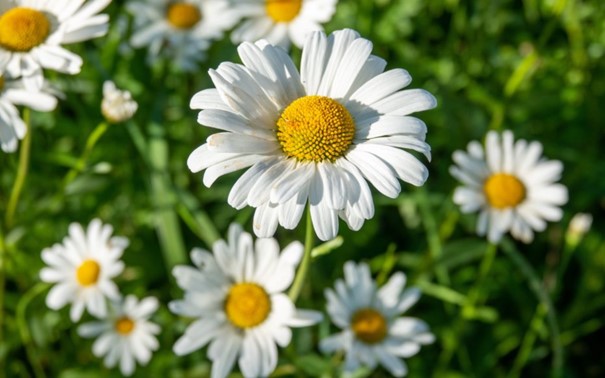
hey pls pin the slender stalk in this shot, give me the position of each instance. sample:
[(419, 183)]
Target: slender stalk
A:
[(303, 269), (22, 170), (26, 337), (92, 140), (2, 285)]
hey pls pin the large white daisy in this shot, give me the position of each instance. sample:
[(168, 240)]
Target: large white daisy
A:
[(237, 296), (312, 137), (281, 21), (511, 186), (32, 32), (82, 268), (125, 334), (180, 31), (12, 93), (373, 330)]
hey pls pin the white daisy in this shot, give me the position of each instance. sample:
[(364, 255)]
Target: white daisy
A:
[(238, 300), (180, 31), (373, 330), (12, 93), (117, 105), (125, 334), (281, 21), (32, 32), (314, 137), (510, 185), (82, 268)]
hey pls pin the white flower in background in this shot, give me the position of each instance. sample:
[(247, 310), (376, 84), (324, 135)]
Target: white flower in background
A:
[(32, 33), (12, 93), (312, 137), (373, 330), (117, 105), (180, 31), (82, 268), (281, 21), (237, 296), (578, 227), (511, 186), (125, 334)]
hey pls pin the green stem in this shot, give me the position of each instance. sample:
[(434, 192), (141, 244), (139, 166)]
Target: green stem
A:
[(303, 269), (529, 339), (92, 140), (2, 286), (24, 328), (22, 169)]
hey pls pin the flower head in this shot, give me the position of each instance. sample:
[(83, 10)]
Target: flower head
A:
[(125, 334), (117, 105), (281, 21), (312, 137), (82, 268), (237, 296), (373, 332), (511, 186), (32, 34)]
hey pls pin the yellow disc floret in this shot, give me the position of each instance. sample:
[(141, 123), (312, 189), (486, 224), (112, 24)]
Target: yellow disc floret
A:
[(369, 325), (124, 325), (22, 29), (315, 128), (503, 190), (88, 272), (283, 10), (183, 15), (247, 305)]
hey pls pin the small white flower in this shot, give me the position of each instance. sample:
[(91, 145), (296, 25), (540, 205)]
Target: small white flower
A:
[(13, 92), (578, 227), (237, 296), (83, 267), (125, 334), (32, 33), (511, 186), (373, 330), (180, 31), (316, 137), (281, 21), (117, 105)]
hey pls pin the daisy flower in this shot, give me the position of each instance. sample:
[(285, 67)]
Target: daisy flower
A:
[(117, 105), (32, 32), (180, 30), (312, 137), (125, 334), (12, 93), (82, 268), (373, 330), (511, 186), (282, 21), (237, 296)]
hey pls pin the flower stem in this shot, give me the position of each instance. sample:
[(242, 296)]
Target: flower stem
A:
[(2, 285), (92, 140), (303, 269), (26, 337), (22, 169)]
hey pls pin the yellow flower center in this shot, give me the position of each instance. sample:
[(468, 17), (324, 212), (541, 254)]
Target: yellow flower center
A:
[(283, 10), (22, 29), (315, 128), (369, 325), (503, 190), (88, 272), (183, 15), (247, 305), (124, 325)]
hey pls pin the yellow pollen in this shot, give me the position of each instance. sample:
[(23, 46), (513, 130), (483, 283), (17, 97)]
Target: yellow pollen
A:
[(88, 273), (22, 29), (503, 190), (369, 325), (247, 305), (315, 128), (283, 10), (183, 15), (124, 325)]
